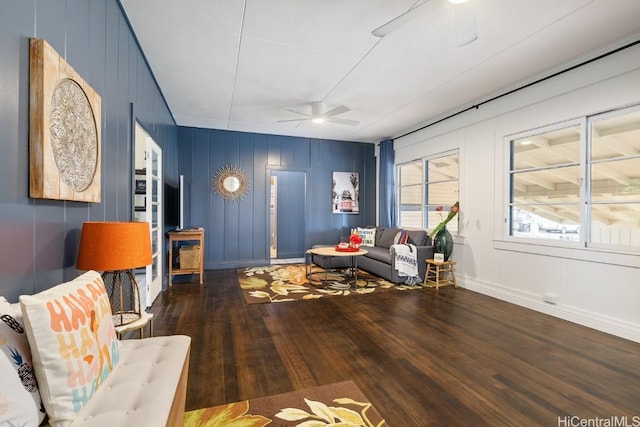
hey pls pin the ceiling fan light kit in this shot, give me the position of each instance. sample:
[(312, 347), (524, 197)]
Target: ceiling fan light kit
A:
[(319, 114)]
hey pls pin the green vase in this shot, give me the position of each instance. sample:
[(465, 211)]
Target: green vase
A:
[(443, 243)]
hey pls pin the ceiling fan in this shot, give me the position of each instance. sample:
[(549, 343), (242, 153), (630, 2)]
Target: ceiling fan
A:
[(319, 114), (464, 21)]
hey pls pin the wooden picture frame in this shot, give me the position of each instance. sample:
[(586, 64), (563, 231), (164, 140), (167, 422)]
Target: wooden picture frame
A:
[(64, 129)]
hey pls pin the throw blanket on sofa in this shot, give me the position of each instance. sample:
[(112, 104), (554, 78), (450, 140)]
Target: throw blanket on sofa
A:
[(406, 262)]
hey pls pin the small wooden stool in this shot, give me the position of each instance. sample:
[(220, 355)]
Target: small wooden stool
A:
[(440, 274)]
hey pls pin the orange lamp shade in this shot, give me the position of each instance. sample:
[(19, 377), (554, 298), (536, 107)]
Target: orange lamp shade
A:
[(112, 246)]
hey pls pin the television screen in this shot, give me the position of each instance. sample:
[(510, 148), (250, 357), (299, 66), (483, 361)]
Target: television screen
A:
[(185, 202), (171, 207)]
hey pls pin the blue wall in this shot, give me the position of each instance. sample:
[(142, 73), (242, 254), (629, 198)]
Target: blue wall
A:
[(39, 238), (236, 233)]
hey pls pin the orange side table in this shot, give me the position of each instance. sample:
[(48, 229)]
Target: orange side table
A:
[(440, 274)]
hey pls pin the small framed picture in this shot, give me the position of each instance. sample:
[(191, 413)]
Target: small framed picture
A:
[(141, 186), (438, 257)]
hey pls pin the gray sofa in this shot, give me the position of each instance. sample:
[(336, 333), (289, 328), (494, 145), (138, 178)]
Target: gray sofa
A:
[(380, 258)]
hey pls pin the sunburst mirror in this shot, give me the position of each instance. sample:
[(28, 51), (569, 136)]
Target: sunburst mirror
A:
[(231, 183)]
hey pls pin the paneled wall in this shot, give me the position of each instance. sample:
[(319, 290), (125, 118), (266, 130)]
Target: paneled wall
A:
[(237, 232), (39, 238)]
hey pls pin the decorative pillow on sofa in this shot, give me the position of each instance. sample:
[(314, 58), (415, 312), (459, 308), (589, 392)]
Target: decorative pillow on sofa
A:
[(368, 236), (20, 402), (400, 238), (73, 343)]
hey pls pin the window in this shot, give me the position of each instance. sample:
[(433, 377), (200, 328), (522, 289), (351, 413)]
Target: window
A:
[(410, 195), (423, 186), (614, 179), (578, 181)]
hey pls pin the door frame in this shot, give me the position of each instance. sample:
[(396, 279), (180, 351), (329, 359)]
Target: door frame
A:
[(269, 170), (158, 256)]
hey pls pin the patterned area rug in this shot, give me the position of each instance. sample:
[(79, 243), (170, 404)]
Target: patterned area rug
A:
[(340, 404), (290, 282)]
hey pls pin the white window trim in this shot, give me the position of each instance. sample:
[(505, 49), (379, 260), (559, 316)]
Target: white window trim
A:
[(458, 151), (621, 255)]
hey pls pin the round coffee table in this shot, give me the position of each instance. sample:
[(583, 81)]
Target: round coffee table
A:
[(329, 252)]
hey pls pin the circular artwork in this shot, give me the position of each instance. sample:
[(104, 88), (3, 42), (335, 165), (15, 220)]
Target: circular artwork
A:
[(74, 137)]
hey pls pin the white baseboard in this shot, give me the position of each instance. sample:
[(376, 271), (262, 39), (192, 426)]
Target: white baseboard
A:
[(534, 302)]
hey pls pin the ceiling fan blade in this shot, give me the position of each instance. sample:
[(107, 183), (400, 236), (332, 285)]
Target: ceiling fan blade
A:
[(464, 15), (299, 112), (343, 121), (413, 13), (338, 110), (292, 120)]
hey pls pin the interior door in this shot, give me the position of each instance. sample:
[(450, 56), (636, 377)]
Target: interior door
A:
[(288, 201), (148, 207), (154, 213)]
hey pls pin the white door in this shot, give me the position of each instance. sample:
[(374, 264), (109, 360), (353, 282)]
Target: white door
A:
[(153, 280)]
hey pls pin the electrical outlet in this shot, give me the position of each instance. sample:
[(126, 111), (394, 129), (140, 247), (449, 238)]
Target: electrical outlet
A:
[(550, 298)]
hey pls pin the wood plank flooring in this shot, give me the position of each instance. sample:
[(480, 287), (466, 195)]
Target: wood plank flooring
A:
[(424, 358)]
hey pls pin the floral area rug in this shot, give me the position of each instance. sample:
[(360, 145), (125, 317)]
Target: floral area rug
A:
[(340, 404), (290, 282)]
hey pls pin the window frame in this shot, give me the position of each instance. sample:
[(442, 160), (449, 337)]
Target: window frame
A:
[(584, 241), (424, 206)]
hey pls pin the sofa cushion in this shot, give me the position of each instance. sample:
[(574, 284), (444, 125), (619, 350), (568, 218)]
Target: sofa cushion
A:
[(150, 376), (73, 343), (417, 237), (379, 253), (387, 237), (368, 236), (20, 402)]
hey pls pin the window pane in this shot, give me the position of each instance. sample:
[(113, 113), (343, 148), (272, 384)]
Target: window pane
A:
[(617, 224), (557, 147), (411, 219), (442, 169), (616, 137), (442, 194), (616, 180), (411, 174), (411, 195), (556, 222), (547, 185), (419, 195)]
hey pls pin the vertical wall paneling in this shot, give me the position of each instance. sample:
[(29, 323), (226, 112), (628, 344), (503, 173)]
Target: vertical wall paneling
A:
[(40, 237), (16, 211), (238, 232)]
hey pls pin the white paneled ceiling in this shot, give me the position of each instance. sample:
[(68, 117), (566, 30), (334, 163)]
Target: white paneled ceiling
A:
[(242, 64)]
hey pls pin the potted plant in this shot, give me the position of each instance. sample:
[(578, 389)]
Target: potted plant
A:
[(442, 239)]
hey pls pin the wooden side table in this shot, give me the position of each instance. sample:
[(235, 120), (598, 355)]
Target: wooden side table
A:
[(186, 235), (440, 274)]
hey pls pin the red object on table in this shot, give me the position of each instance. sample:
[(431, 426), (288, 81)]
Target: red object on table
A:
[(347, 249)]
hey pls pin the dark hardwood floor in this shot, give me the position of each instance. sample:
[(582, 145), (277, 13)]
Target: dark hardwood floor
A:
[(424, 358)]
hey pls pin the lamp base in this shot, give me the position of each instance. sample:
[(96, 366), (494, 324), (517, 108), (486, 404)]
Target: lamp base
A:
[(124, 296)]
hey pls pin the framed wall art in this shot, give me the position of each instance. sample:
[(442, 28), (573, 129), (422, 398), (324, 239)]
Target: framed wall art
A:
[(64, 129), (345, 197)]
